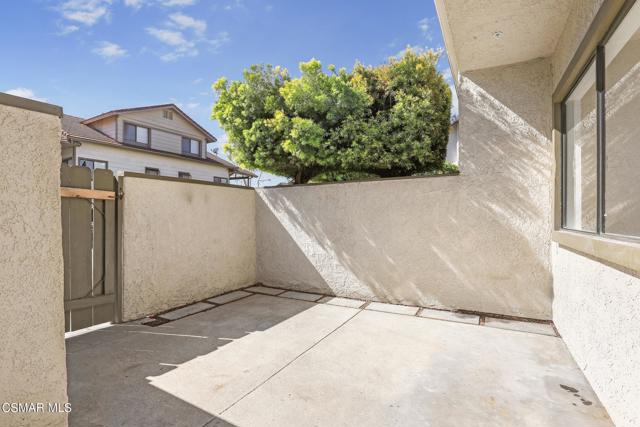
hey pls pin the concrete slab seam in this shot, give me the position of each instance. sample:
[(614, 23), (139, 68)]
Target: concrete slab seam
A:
[(290, 362)]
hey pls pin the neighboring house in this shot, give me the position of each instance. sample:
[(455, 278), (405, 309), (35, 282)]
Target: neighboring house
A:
[(452, 145), (156, 140)]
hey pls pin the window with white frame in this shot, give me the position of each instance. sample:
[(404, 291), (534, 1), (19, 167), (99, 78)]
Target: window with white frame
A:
[(601, 138)]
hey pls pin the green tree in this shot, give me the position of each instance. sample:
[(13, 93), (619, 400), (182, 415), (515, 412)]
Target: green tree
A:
[(389, 120)]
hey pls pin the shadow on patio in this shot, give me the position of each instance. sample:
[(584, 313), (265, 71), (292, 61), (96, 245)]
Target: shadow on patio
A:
[(274, 361)]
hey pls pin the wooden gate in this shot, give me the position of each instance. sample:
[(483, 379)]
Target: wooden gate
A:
[(89, 245)]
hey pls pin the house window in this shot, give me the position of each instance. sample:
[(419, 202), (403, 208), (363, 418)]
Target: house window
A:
[(185, 175), (190, 146), (580, 150), (92, 164), (601, 138), (167, 114), (622, 130), (220, 180), (152, 171), (136, 134)]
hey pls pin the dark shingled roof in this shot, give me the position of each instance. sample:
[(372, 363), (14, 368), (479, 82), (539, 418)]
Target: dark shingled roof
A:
[(72, 126)]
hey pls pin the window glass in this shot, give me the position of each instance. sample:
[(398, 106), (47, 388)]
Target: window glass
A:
[(622, 127), (129, 133), (142, 135), (152, 171), (580, 163), (184, 175), (195, 147), (92, 164)]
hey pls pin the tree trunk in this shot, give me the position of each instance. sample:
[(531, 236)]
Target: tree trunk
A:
[(303, 176)]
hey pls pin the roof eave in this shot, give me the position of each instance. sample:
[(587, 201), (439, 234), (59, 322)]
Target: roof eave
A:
[(447, 35), (208, 136)]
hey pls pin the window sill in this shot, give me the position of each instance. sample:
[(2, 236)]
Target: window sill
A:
[(622, 253), (136, 144)]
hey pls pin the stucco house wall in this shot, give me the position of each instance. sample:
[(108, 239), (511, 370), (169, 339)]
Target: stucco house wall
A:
[(479, 241), (183, 242), (32, 351), (596, 305)]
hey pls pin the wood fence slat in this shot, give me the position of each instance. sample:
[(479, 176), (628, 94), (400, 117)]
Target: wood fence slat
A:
[(104, 245), (89, 244), (87, 193), (77, 232)]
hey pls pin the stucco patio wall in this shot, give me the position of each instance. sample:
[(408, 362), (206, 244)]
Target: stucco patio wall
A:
[(183, 241), (32, 351), (478, 241), (596, 305)]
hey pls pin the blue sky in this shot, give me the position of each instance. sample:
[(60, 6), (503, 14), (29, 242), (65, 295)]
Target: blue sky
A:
[(91, 56)]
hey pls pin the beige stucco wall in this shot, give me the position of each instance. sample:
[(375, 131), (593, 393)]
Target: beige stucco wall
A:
[(32, 352), (478, 241), (183, 242), (596, 309), (575, 28), (596, 305)]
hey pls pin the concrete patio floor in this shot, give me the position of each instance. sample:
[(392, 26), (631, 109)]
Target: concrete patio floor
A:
[(266, 360)]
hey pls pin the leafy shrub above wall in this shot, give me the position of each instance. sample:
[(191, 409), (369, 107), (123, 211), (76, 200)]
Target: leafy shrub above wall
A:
[(384, 121)]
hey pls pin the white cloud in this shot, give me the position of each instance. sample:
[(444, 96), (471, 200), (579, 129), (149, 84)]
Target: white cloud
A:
[(447, 75), (170, 37), (25, 93), (192, 105), (413, 48), (109, 51), (220, 40), (136, 4), (425, 28), (235, 4), (197, 81), (184, 43), (178, 2), (86, 12), (183, 21), (64, 30)]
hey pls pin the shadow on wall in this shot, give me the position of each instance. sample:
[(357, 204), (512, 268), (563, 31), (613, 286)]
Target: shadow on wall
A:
[(479, 241)]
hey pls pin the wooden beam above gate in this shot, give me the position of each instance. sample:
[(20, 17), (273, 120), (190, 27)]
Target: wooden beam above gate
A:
[(84, 193)]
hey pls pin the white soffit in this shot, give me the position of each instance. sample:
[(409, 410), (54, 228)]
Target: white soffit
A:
[(489, 33)]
